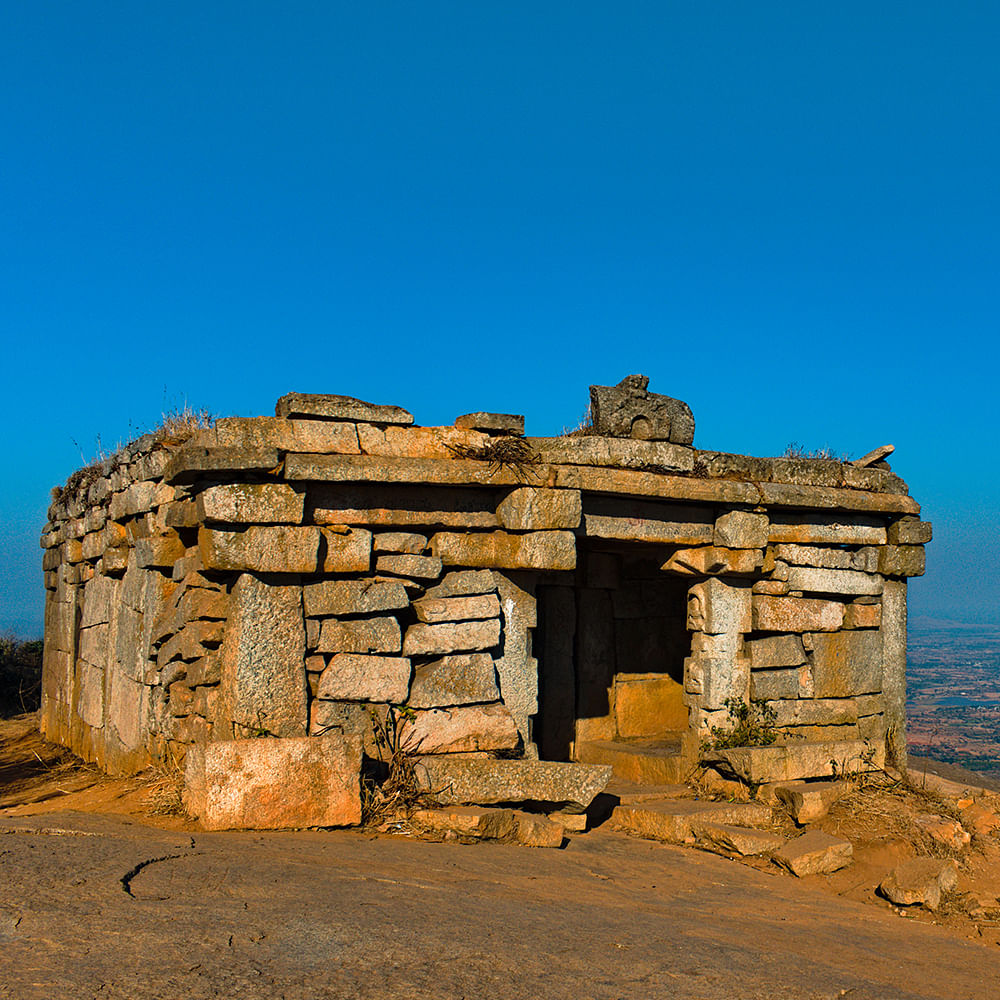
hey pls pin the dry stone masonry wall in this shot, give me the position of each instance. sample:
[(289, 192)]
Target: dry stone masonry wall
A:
[(286, 576)]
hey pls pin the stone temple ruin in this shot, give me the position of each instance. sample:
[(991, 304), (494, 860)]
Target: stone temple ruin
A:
[(593, 598)]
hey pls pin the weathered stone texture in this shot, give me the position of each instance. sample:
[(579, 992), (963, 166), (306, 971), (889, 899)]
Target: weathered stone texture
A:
[(328, 407), (717, 607), (776, 651), (629, 410), (846, 663), (251, 503), (833, 581), (263, 654), (741, 530), (364, 635), (451, 637), (531, 509), (796, 614), (413, 566), (354, 677), (353, 597), (815, 853), (457, 609), (490, 782), (269, 784), (710, 559), (459, 679), (506, 423), (460, 730), (553, 550)]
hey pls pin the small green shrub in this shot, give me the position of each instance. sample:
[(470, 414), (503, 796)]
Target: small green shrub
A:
[(750, 725)]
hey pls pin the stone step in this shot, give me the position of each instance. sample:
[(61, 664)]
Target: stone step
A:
[(645, 762), (676, 821), (720, 838), (629, 793)]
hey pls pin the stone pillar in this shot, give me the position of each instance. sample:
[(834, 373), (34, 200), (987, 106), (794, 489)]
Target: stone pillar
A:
[(719, 614), (517, 669), (263, 660), (893, 635)]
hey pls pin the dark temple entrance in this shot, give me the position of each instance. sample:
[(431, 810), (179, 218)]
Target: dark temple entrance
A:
[(611, 644)]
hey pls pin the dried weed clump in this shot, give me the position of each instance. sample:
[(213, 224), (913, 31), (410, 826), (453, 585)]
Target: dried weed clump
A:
[(506, 452)]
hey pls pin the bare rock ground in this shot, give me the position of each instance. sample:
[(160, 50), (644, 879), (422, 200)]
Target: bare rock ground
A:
[(101, 899)]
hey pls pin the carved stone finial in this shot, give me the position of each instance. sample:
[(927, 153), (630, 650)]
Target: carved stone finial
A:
[(628, 410)]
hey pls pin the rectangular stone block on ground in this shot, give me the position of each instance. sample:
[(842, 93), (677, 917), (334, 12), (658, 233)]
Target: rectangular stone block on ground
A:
[(489, 782), (270, 784), (759, 765)]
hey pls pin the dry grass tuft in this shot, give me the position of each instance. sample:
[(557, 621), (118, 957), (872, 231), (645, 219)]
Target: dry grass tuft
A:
[(827, 454), (508, 452)]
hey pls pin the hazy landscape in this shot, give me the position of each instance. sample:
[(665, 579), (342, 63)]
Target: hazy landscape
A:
[(953, 693)]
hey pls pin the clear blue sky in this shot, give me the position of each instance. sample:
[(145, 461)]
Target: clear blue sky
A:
[(784, 213)]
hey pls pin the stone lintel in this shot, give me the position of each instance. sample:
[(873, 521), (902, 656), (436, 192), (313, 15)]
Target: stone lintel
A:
[(326, 407)]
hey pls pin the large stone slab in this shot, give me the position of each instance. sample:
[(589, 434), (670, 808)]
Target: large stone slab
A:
[(263, 661), (532, 509), (829, 530), (504, 423), (364, 635), (490, 782), (271, 784), (451, 637), (629, 410), (327, 407), (460, 730), (251, 503), (460, 679), (353, 597), (415, 567), (833, 581), (776, 651), (321, 436), (920, 881), (864, 559), (275, 549), (552, 550), (846, 664), (623, 453), (796, 614), (787, 762), (359, 677), (457, 609), (417, 442)]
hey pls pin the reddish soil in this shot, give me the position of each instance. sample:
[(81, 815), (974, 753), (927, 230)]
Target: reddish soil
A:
[(103, 897)]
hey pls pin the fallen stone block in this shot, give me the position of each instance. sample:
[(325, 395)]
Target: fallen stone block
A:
[(328, 407), (269, 784), (920, 881), (489, 782), (729, 840), (815, 853), (808, 801), (534, 830), (675, 821), (981, 820), (467, 821), (944, 830)]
